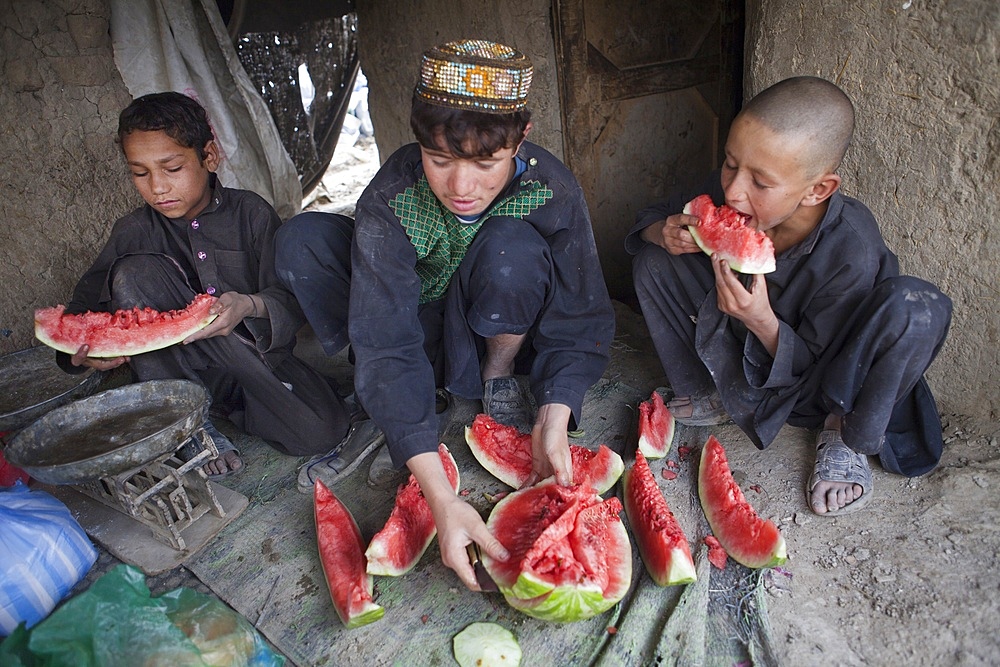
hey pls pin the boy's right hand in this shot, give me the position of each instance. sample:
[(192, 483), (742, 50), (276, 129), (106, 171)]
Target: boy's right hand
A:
[(101, 364), (672, 234)]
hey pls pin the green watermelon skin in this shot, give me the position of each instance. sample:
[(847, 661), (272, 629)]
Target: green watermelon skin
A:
[(747, 538), (410, 528), (506, 454), (723, 230), (662, 544), (342, 557), (123, 333), (570, 556)]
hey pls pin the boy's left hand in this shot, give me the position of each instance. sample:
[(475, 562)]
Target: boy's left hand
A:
[(231, 308), (752, 307)]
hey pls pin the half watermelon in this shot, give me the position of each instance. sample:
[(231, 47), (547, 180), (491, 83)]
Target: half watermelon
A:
[(506, 453), (123, 333), (724, 230), (656, 427), (662, 544), (570, 557), (408, 532), (342, 557), (750, 540)]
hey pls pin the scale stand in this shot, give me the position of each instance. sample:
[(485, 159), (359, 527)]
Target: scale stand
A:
[(165, 497)]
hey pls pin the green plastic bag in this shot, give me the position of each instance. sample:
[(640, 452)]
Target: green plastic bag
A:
[(116, 622)]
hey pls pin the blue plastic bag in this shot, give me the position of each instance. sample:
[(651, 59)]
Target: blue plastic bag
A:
[(43, 553)]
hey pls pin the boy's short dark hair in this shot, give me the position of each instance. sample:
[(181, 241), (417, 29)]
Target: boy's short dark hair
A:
[(182, 118), (465, 133)]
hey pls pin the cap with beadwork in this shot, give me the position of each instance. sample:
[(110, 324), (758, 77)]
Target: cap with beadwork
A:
[(475, 74)]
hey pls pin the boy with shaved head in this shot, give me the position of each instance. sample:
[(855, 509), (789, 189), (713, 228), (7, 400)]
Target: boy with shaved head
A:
[(834, 339)]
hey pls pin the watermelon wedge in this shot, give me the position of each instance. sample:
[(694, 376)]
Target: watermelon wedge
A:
[(408, 532), (506, 453), (123, 333), (724, 230), (662, 544), (343, 560), (656, 427), (750, 540), (570, 557)]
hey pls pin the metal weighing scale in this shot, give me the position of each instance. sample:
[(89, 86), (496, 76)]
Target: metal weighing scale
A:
[(112, 458)]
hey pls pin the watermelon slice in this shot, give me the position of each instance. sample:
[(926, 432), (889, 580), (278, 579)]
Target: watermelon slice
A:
[(343, 561), (410, 528), (123, 333), (724, 230), (656, 427), (506, 453), (750, 540), (570, 557), (486, 645), (662, 544)]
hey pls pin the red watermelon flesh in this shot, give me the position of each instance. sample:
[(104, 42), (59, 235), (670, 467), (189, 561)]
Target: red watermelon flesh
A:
[(750, 540), (506, 454), (724, 230), (656, 427), (123, 333), (570, 558), (661, 541), (342, 557), (408, 532)]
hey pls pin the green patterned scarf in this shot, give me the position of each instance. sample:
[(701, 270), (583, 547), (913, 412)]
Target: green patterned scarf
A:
[(441, 240)]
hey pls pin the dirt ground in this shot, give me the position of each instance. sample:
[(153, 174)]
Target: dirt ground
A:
[(912, 579)]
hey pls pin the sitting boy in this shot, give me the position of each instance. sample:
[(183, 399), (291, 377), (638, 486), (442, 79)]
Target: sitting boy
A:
[(833, 339), (195, 236), (472, 249)]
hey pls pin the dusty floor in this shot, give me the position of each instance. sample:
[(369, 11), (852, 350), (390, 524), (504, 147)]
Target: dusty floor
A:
[(913, 579)]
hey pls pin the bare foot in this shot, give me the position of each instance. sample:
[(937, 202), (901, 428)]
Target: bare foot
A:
[(832, 496), (226, 462)]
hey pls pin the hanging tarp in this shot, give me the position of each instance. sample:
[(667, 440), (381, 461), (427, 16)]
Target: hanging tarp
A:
[(183, 45)]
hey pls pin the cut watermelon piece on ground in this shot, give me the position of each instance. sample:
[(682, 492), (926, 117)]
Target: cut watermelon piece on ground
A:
[(505, 452), (397, 548), (123, 333), (749, 539), (656, 427), (486, 645), (662, 544), (724, 230), (570, 556), (342, 556)]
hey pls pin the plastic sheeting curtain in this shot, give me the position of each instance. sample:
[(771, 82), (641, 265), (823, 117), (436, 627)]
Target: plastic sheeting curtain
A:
[(183, 45)]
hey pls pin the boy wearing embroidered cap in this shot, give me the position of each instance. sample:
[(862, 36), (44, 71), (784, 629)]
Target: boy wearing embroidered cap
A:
[(472, 250)]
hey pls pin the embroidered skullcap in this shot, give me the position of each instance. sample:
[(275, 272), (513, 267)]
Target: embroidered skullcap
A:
[(475, 74)]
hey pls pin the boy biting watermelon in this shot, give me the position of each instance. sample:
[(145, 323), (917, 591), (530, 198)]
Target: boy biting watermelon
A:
[(472, 249), (834, 339), (195, 236)]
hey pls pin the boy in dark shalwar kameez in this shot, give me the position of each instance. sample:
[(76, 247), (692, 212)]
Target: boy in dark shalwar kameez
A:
[(195, 236), (472, 249), (833, 339)]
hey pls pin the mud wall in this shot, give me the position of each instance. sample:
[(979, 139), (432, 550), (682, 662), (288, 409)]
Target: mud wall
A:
[(393, 35), (63, 179), (925, 81)]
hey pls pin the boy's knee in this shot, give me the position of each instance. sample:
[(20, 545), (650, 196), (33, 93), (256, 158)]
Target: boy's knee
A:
[(308, 236), (512, 253), (925, 306)]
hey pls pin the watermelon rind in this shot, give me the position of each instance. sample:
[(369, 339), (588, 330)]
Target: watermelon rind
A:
[(410, 529), (342, 560), (661, 541), (554, 599), (654, 417), (746, 537), (762, 264), (124, 333), (601, 467), (486, 645)]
